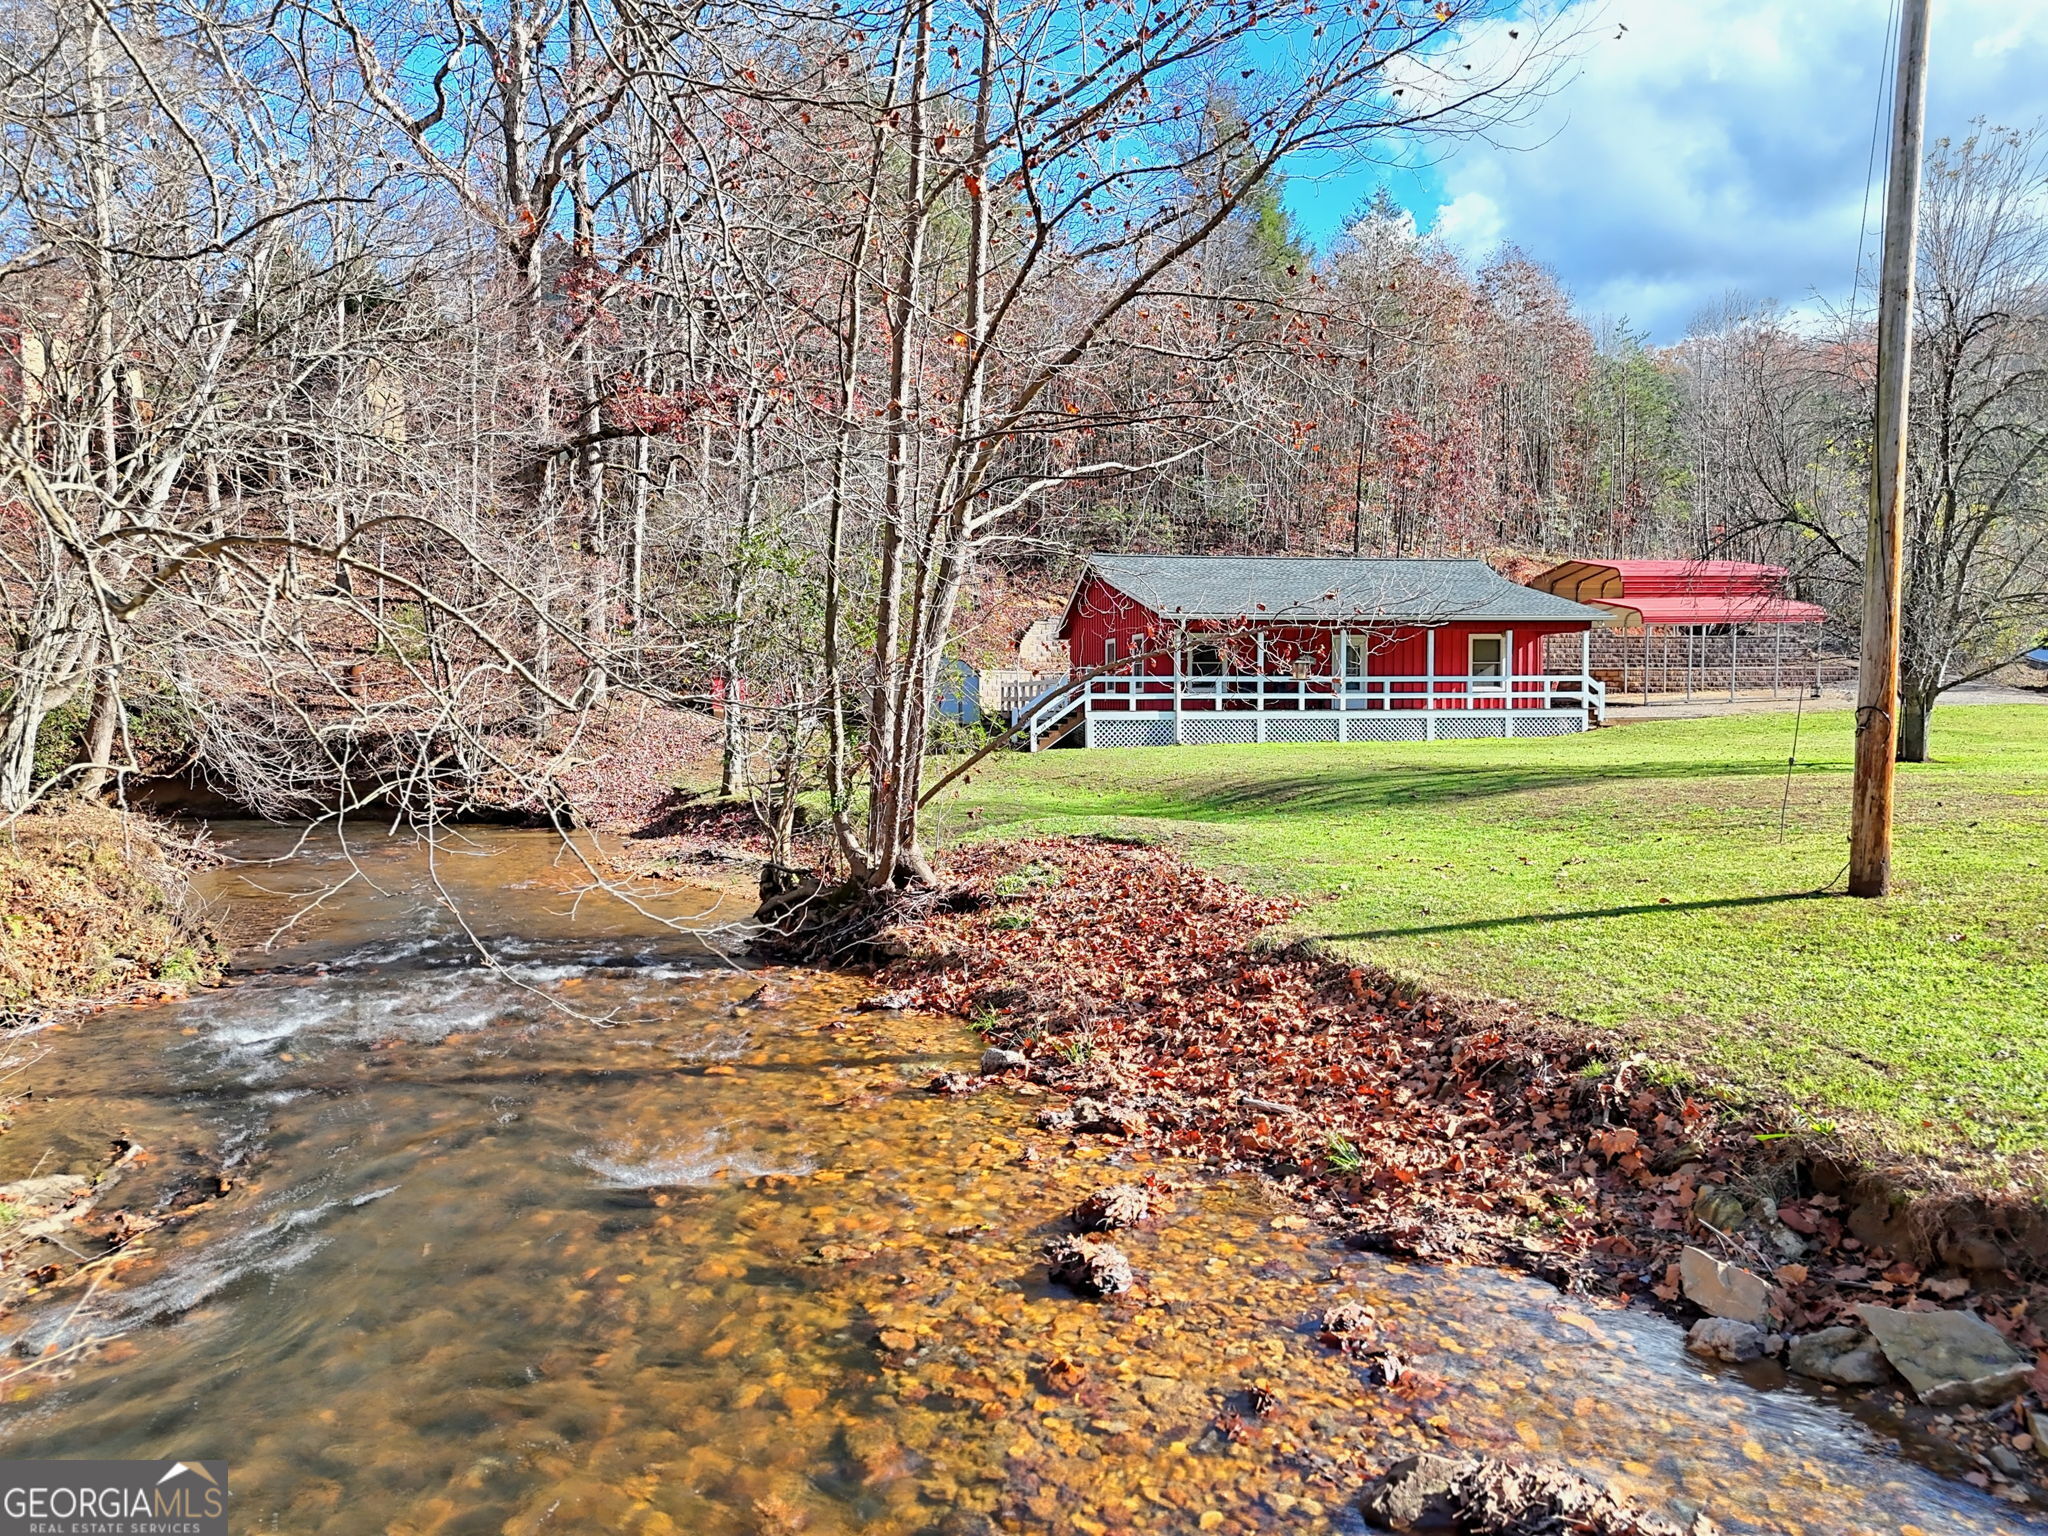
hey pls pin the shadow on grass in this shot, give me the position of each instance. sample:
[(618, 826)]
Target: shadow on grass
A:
[(1527, 919), (1367, 787)]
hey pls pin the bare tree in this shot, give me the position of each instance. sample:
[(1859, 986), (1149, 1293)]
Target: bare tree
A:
[(1976, 561), (397, 384), (1048, 184)]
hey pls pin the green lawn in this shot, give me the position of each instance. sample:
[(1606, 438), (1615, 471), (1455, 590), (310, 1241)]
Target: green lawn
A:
[(1635, 879)]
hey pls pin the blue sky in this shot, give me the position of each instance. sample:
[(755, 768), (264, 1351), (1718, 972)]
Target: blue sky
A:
[(1713, 147)]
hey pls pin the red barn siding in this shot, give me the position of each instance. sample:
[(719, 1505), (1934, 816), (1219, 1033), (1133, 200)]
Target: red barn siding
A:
[(1100, 611)]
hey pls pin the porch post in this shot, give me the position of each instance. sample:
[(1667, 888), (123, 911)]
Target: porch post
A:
[(1180, 641), (1507, 668), (1734, 637), (1429, 684), (1777, 657), (1259, 703), (1586, 672), (1646, 661)]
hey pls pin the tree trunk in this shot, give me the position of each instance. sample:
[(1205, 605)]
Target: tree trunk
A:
[(19, 723), (46, 671), (99, 737), (1916, 708)]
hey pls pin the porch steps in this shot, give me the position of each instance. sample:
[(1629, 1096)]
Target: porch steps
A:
[(1060, 730)]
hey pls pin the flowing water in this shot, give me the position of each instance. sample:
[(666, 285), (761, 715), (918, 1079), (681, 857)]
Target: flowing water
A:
[(613, 1236)]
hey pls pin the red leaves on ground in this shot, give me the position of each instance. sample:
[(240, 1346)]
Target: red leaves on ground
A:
[(1138, 980), (1129, 974)]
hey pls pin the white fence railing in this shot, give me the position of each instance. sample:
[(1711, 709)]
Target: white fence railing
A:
[(1545, 691), (1193, 699)]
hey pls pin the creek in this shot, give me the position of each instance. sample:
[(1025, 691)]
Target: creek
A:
[(615, 1235)]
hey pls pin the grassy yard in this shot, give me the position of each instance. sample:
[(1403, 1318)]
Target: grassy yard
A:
[(1635, 879)]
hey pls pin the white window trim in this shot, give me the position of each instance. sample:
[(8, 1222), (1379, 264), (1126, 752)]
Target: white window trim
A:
[(1496, 684), (1344, 639), (1109, 656)]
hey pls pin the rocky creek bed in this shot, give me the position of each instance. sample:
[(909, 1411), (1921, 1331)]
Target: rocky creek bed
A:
[(1118, 975), (616, 1236)]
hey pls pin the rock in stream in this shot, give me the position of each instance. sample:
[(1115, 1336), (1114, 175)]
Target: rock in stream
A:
[(1118, 1205), (1949, 1357), (1089, 1265), (1846, 1356), (1482, 1496)]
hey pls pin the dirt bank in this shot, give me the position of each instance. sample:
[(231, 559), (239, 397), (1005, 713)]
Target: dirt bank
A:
[(94, 904)]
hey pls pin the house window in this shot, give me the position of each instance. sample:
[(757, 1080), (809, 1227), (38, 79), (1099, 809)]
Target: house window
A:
[(1489, 661), (1205, 660), (1355, 653), (1109, 650)]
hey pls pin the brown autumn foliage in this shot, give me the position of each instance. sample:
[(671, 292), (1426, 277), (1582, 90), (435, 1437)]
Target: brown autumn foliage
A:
[(91, 902)]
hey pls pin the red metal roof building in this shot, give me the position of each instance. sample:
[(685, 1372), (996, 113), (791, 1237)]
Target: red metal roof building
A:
[(1686, 625), (1667, 592)]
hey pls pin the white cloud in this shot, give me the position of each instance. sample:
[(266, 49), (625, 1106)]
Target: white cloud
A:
[(1472, 222), (1721, 146)]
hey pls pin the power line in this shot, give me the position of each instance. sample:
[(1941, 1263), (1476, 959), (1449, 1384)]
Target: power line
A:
[(1885, 82)]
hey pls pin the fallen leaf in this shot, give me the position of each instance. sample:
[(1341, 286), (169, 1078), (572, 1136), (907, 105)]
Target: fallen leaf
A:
[(1613, 1143)]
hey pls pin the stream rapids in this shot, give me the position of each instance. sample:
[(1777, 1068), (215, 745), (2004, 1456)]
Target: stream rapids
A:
[(615, 1235)]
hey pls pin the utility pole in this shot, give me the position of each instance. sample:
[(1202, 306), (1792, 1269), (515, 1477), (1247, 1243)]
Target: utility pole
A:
[(1877, 682)]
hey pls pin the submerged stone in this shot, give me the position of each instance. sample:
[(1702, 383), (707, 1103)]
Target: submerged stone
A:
[(1949, 1357), (1846, 1356)]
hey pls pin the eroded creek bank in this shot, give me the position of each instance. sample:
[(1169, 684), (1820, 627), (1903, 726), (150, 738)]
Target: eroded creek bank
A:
[(615, 1237)]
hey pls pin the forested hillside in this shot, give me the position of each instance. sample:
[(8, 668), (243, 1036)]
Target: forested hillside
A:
[(391, 390)]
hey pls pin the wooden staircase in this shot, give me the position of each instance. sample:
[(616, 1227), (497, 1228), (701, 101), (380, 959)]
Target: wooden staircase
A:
[(1056, 723), (1059, 730)]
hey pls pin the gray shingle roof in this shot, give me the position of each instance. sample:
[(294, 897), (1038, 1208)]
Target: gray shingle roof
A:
[(1315, 590)]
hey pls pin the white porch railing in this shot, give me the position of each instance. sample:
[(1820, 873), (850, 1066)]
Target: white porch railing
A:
[(1157, 710)]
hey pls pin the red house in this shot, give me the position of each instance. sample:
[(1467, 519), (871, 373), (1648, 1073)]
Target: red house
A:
[(1171, 649)]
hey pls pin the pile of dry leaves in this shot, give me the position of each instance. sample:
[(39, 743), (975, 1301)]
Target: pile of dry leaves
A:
[(1132, 978), (623, 766)]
